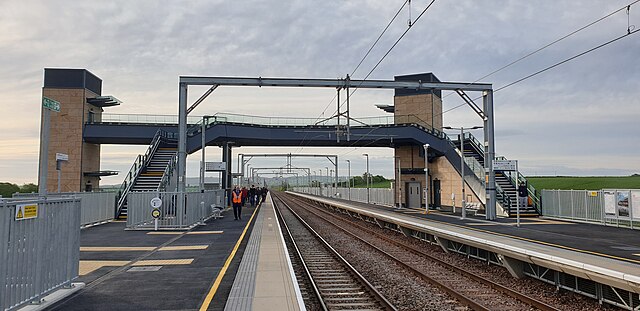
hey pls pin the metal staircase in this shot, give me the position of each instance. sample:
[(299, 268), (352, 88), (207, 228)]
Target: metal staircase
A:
[(151, 171), (507, 192)]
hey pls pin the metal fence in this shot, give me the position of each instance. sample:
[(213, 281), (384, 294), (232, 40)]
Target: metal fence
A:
[(96, 207), (198, 207), (619, 208), (380, 196), (40, 248)]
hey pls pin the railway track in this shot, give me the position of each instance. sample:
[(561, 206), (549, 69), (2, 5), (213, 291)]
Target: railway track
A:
[(471, 290), (328, 281)]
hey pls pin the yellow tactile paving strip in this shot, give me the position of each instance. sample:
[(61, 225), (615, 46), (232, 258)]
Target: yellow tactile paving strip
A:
[(163, 262), (181, 232), (184, 247), (88, 266), (142, 248), (116, 249)]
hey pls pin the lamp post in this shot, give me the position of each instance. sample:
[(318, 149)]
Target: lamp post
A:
[(399, 183), (426, 178), (320, 180), (333, 192), (203, 142), (368, 191), (463, 201), (349, 179)]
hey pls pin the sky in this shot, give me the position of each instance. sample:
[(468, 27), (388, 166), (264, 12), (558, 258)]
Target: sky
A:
[(580, 118)]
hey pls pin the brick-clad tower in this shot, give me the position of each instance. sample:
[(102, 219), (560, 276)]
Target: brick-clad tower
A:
[(73, 88), (422, 107)]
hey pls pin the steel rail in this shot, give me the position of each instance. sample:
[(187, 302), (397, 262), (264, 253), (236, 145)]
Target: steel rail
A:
[(298, 255), (379, 298), (505, 290)]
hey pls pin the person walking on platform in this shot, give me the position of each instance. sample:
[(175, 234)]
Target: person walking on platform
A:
[(236, 199), (245, 194), (264, 193), (252, 195), (523, 195)]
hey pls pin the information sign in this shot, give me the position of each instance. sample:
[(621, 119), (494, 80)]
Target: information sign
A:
[(155, 213), (215, 166), (504, 165), (156, 202), (26, 211), (62, 157)]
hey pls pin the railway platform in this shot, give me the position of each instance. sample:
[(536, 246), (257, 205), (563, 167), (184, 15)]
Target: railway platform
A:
[(160, 270), (598, 261)]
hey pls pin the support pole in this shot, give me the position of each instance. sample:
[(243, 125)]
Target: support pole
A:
[(349, 178), (426, 178), (182, 149), (44, 151), (202, 142), (464, 208), (489, 155)]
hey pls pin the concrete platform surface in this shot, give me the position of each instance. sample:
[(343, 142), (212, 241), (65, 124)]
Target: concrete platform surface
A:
[(146, 270)]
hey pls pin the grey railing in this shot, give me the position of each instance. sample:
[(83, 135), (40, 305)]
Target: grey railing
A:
[(37, 255), (95, 207), (380, 196), (620, 208), (135, 170), (197, 209), (168, 173), (516, 180)]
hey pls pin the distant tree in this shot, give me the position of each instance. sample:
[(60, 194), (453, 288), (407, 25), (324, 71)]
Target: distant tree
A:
[(29, 188), (8, 189)]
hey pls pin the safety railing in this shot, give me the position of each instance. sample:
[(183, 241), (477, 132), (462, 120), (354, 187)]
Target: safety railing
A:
[(380, 196), (95, 207), (198, 207), (39, 248), (620, 208), (516, 180), (168, 173)]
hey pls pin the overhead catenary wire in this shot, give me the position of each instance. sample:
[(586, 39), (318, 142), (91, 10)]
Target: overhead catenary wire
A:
[(630, 30), (369, 52), (300, 147)]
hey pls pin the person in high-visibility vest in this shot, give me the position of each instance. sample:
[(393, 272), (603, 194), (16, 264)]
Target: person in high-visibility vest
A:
[(236, 200)]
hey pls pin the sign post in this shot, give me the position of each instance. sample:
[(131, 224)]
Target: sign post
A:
[(48, 105), (510, 165), (155, 203), (60, 157)]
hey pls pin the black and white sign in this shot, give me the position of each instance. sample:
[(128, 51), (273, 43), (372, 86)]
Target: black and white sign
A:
[(215, 166), (156, 202), (505, 165)]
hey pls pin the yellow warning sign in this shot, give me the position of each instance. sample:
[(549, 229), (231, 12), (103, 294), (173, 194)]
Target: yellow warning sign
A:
[(26, 211), (593, 193)]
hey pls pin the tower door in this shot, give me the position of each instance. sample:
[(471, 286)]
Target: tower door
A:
[(413, 194)]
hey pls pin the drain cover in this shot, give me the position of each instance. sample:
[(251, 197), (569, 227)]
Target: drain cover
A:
[(143, 269)]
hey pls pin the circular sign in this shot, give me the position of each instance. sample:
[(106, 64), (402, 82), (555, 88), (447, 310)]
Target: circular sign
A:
[(156, 202), (155, 213)]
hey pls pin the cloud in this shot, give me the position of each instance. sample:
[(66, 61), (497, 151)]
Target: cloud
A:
[(139, 48)]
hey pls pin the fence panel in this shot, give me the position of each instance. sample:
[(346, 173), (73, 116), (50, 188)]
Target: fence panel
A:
[(95, 206), (381, 196), (589, 206), (197, 209), (38, 255)]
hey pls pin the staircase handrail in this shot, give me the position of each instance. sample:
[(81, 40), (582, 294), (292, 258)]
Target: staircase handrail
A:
[(141, 162), (168, 173), (474, 142), (133, 173), (531, 190)]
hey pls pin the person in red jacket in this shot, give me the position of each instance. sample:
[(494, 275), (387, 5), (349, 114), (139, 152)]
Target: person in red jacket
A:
[(245, 194)]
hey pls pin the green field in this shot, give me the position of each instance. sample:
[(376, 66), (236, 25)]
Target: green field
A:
[(585, 183)]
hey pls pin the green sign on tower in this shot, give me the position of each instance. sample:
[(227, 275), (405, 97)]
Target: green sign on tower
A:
[(50, 104)]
